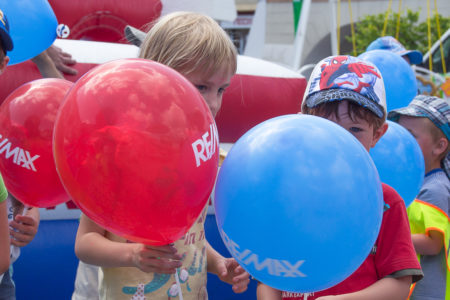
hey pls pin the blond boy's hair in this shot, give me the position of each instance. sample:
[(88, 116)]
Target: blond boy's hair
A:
[(189, 42)]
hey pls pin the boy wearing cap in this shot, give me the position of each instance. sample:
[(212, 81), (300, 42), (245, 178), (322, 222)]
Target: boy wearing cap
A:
[(428, 119), (389, 43), (350, 92), (5, 41)]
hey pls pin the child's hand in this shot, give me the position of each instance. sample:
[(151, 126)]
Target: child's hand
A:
[(23, 229), (157, 259), (62, 60), (231, 272)]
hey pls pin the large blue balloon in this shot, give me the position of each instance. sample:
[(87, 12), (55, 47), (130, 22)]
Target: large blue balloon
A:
[(399, 78), (299, 203), (32, 26), (399, 161)]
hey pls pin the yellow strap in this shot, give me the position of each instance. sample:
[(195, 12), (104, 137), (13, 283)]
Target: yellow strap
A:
[(438, 26), (386, 18), (430, 65), (352, 28), (397, 27), (338, 33)]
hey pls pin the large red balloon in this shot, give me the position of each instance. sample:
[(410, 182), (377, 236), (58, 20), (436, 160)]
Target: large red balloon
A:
[(136, 147), (27, 118)]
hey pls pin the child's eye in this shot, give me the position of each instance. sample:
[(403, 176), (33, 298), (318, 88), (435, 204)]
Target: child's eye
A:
[(221, 91), (355, 129), (201, 88)]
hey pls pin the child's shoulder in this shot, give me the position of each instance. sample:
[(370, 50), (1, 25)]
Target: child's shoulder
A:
[(435, 189), (390, 196)]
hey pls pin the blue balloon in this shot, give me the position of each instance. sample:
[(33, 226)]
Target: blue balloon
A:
[(399, 78), (298, 203), (399, 161), (32, 26)]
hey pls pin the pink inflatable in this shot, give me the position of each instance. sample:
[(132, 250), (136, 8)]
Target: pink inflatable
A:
[(260, 89), (104, 20)]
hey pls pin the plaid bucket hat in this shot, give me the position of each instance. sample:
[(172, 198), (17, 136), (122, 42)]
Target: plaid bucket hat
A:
[(437, 110), (345, 77), (389, 43)]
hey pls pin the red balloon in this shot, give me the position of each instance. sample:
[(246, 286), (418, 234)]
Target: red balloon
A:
[(136, 147), (27, 117)]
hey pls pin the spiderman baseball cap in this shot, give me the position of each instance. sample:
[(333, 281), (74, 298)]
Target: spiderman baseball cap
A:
[(7, 43), (345, 77), (391, 44)]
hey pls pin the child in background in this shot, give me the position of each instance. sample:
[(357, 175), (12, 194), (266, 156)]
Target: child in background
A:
[(350, 92), (428, 119), (22, 227), (23, 223), (6, 45), (197, 47), (389, 43)]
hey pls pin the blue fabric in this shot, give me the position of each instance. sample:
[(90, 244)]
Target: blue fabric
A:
[(7, 287)]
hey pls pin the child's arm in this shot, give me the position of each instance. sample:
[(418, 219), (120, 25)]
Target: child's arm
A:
[(24, 227), (265, 292), (92, 247), (4, 238), (46, 66), (386, 288), (428, 245), (227, 269)]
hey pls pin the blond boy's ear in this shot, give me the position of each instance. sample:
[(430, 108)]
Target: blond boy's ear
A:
[(379, 133), (440, 147), (3, 64)]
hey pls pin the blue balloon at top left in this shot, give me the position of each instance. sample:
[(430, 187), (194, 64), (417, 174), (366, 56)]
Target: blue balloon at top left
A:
[(32, 26)]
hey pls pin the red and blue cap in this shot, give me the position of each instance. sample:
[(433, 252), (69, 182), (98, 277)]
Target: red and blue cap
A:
[(345, 77), (389, 43), (7, 43)]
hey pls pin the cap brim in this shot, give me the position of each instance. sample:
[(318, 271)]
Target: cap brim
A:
[(134, 35), (409, 111), (415, 57), (343, 94)]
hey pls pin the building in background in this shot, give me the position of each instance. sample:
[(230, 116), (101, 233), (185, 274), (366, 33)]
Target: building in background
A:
[(277, 42)]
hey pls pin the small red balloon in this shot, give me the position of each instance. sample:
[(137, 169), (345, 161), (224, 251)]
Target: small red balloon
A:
[(136, 147), (27, 118)]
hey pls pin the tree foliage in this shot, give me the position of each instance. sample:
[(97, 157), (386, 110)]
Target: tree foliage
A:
[(412, 34)]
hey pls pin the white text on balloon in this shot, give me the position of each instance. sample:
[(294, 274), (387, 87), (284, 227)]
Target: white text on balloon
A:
[(207, 147), (21, 157), (274, 267)]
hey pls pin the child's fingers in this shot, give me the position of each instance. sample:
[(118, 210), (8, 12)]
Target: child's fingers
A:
[(19, 239), (17, 243), (161, 252), (166, 248), (23, 228), (27, 220), (241, 286), (159, 265)]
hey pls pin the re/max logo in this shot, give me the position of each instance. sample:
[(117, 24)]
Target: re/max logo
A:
[(19, 156), (275, 267), (205, 147)]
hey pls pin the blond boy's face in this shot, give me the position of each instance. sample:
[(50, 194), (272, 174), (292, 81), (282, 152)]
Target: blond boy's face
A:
[(420, 129), (361, 129), (211, 88)]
